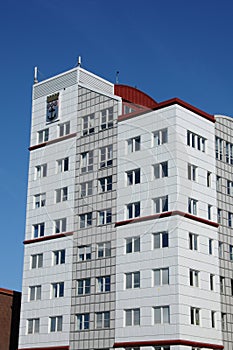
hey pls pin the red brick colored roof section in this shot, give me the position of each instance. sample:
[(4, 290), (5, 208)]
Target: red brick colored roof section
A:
[(133, 95)]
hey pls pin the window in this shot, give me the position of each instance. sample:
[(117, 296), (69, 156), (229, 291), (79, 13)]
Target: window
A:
[(58, 290), (161, 315), (192, 172), (62, 165), (211, 246), (161, 276), (222, 284), (192, 206), (61, 194), (209, 209), (103, 319), (33, 325), (39, 200), (229, 153), (211, 281), (133, 177), (43, 135), (133, 210), (83, 321), (84, 253), (132, 317), (59, 257), (86, 188), (230, 219), (230, 187), (106, 118), (35, 293), (85, 220), (64, 129), (219, 215), (196, 141), (60, 225), (219, 148), (160, 170), (160, 137), (38, 230), (134, 144), (105, 217), (105, 184), (193, 241), (56, 324), (103, 284), (160, 240), (194, 278), (231, 252), (224, 321), (40, 171), (213, 313), (88, 123), (106, 156), (195, 316), (132, 244), (220, 249), (160, 204), (84, 286), (104, 249), (218, 183), (132, 280), (86, 162), (36, 261), (208, 179)]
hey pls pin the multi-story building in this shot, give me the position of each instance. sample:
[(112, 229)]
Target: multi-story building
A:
[(128, 234)]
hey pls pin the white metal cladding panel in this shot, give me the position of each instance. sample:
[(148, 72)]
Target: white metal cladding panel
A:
[(96, 82), (55, 84)]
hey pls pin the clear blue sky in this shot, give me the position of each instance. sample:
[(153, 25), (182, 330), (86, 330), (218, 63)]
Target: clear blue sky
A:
[(167, 48)]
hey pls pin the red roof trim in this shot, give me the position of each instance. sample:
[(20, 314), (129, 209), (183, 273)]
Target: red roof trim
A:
[(133, 95), (48, 238), (6, 291), (167, 342), (59, 139)]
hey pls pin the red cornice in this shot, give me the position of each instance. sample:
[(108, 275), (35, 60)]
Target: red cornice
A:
[(48, 238), (6, 291), (167, 342), (167, 214), (48, 348), (59, 139)]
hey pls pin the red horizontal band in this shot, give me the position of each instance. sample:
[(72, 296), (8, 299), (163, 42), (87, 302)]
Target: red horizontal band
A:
[(59, 139), (48, 238), (167, 342)]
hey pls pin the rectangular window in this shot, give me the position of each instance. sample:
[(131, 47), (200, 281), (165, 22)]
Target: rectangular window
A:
[(105, 184), (35, 293), (194, 278), (133, 177), (64, 129), (38, 230), (86, 188), (84, 286), (161, 276), (133, 210), (134, 144), (40, 171), (213, 313), (59, 257), (229, 153), (83, 321), (43, 135), (208, 179), (209, 210), (212, 281), (105, 217), (230, 187), (196, 141), (103, 284), (224, 321), (36, 261), (195, 316), (160, 137), (61, 194), (222, 284), (231, 252), (132, 280), (33, 325), (192, 172), (88, 123), (220, 250), (84, 253), (132, 244), (62, 165), (160, 240), (87, 161), (56, 324), (218, 183), (219, 148), (39, 200), (192, 206), (104, 249), (219, 216), (106, 118), (211, 246), (132, 317), (160, 170), (57, 290), (103, 319), (106, 156), (193, 241), (160, 204), (161, 315), (230, 219), (85, 220), (60, 225)]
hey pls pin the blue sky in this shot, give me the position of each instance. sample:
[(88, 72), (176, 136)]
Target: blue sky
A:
[(166, 48)]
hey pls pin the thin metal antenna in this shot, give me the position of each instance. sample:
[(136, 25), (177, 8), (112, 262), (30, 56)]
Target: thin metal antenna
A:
[(35, 75), (117, 77), (79, 61)]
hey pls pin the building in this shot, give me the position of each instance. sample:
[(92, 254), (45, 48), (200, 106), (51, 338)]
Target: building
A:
[(128, 233), (9, 319)]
